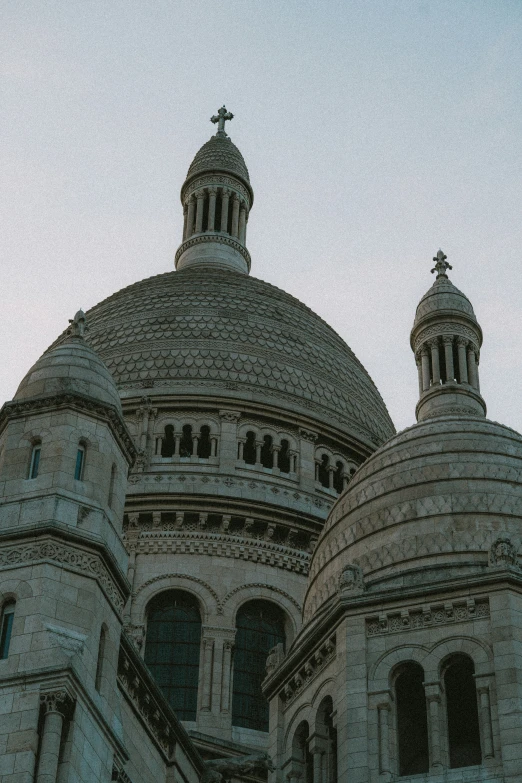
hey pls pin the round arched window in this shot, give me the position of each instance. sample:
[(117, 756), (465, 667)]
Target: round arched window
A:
[(172, 649), (260, 626)]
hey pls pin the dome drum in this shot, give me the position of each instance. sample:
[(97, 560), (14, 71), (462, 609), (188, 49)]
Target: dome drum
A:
[(215, 249)]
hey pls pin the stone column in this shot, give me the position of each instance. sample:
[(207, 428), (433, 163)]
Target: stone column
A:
[(472, 367), (242, 223), (331, 471), (432, 691), (213, 447), (225, 195), (228, 646), (206, 686), (241, 446), (275, 452), (448, 355), (195, 444), (190, 215), (485, 718), (307, 440), (235, 215), (228, 440), (318, 755), (383, 712), (259, 446), (435, 361), (54, 706), (463, 367), (425, 368), (185, 210), (293, 462), (212, 193), (177, 440), (200, 195), (418, 362)]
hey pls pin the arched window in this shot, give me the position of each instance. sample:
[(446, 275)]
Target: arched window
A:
[(462, 711), (328, 733), (412, 721), (6, 628), (249, 450), (338, 480), (186, 445), (260, 626), (324, 473), (267, 455), (172, 649), (301, 753), (204, 445), (283, 461), (111, 487), (168, 444), (80, 462), (100, 659), (34, 462)]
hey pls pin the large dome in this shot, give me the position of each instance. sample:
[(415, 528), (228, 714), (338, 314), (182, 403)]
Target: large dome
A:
[(218, 334)]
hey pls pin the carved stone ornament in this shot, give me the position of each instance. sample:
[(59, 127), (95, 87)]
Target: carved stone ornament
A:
[(56, 701), (222, 770), (275, 657), (503, 553), (351, 579)]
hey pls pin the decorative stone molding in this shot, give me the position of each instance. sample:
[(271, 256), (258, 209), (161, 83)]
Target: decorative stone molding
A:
[(181, 576), (451, 329), (78, 559), (275, 657), (77, 402), (351, 579), (266, 586), (59, 701), (229, 415), (224, 239), (427, 616), (308, 435), (503, 553), (119, 775), (136, 634), (235, 767), (217, 180), (312, 667)]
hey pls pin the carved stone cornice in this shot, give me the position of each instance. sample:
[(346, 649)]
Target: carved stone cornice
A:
[(310, 669), (229, 415), (77, 402), (427, 616), (224, 239), (308, 435), (216, 179)]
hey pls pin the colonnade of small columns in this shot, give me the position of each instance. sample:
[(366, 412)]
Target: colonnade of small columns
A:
[(274, 450), (178, 436), (194, 213), (447, 359)]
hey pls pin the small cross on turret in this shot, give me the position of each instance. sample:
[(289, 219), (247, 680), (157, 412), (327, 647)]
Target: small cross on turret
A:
[(221, 117), (441, 265)]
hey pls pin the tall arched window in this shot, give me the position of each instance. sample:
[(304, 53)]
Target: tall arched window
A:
[(462, 710), (283, 461), (338, 478), (34, 462), (412, 721), (204, 445), (267, 455), (6, 628), (186, 444), (172, 649), (328, 733), (324, 473), (260, 626), (168, 443), (301, 753), (101, 658), (80, 462), (249, 450)]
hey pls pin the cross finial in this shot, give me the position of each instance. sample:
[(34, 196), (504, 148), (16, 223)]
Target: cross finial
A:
[(221, 117), (441, 265), (78, 325)]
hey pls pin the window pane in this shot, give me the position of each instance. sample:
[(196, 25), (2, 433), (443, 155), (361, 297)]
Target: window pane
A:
[(35, 462), (6, 630), (172, 650), (260, 626), (79, 464)]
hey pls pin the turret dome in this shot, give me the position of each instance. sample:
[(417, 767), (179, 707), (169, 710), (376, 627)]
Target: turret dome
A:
[(72, 367), (219, 154)]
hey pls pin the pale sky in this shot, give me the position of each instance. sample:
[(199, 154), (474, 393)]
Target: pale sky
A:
[(375, 132)]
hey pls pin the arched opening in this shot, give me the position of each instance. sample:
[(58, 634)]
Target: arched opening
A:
[(101, 658), (111, 487), (79, 466), (168, 444), (34, 462), (6, 628), (260, 626), (172, 649), (338, 478), (267, 455), (301, 756), (186, 444), (204, 445), (324, 473), (326, 731), (284, 457), (412, 720), (462, 712), (249, 449)]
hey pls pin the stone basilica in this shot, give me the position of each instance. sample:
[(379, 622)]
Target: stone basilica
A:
[(218, 562)]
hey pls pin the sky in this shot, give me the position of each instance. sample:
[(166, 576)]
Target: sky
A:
[(375, 132)]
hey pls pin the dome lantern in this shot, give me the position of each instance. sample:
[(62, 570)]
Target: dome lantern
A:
[(216, 198), (446, 339)]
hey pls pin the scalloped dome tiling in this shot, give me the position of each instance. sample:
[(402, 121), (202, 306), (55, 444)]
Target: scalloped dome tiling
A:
[(224, 335), (219, 153), (443, 295)]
